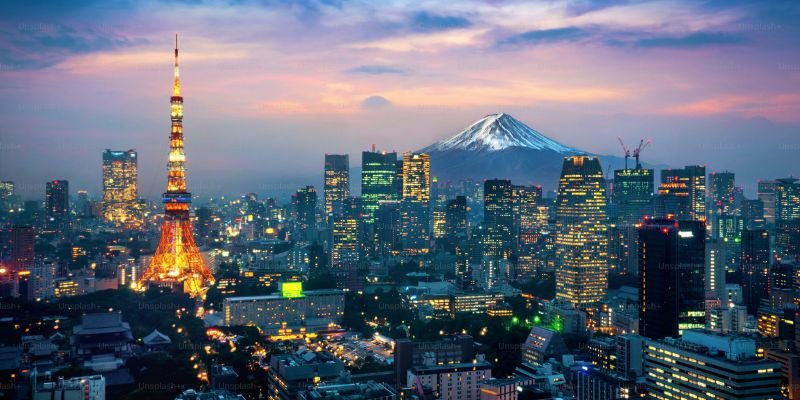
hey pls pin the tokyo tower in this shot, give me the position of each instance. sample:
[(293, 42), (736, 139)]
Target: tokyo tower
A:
[(177, 260)]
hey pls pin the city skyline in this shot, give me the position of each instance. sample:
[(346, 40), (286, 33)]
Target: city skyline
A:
[(704, 80)]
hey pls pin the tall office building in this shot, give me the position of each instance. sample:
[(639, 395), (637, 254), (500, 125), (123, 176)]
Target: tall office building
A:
[(658, 291), (337, 183), (57, 199), (456, 223), (388, 227), (753, 214), (716, 261), (766, 193), (527, 200), (377, 181), (6, 196), (633, 195), (581, 233), (722, 189), (345, 251), (672, 276), (120, 193), (21, 249), (787, 199), (415, 215), (753, 272), (787, 217), (683, 192), (498, 218), (691, 274), (305, 208)]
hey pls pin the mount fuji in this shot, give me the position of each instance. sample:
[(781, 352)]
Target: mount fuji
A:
[(500, 146)]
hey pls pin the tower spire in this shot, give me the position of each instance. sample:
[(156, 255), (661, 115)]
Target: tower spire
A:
[(176, 87)]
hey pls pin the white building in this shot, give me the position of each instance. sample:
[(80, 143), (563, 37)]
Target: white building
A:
[(291, 312)]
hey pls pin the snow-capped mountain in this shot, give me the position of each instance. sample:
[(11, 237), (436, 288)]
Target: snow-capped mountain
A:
[(499, 146), (496, 132)]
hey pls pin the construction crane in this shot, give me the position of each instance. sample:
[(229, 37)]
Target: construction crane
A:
[(637, 151), (626, 150)]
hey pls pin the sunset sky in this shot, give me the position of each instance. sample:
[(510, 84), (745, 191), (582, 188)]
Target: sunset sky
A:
[(270, 86)]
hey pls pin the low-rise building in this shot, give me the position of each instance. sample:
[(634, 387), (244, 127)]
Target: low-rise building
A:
[(292, 312), (708, 366), (453, 381), (291, 373), (350, 391)]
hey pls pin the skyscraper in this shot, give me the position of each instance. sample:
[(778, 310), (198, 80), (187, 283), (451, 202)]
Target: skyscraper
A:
[(672, 277), (722, 192), (21, 249), (716, 259), (498, 218), (658, 291), (581, 233), (689, 182), (120, 193), (177, 260), (337, 183), (377, 181), (456, 223), (57, 199), (633, 195), (766, 193), (787, 199), (753, 214), (305, 207), (6, 196), (388, 226), (753, 273), (787, 217), (691, 274), (415, 215), (344, 243)]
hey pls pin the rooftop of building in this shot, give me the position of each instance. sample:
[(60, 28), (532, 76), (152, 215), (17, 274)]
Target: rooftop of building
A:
[(306, 293), (444, 368), (191, 394), (99, 323), (349, 391)]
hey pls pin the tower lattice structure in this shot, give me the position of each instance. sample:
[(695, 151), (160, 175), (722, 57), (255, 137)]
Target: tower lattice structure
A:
[(177, 260)]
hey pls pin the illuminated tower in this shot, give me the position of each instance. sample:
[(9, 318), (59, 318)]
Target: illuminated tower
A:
[(119, 187), (581, 233), (177, 260)]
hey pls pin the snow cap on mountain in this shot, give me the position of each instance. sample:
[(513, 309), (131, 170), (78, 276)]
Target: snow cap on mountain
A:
[(498, 132)]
